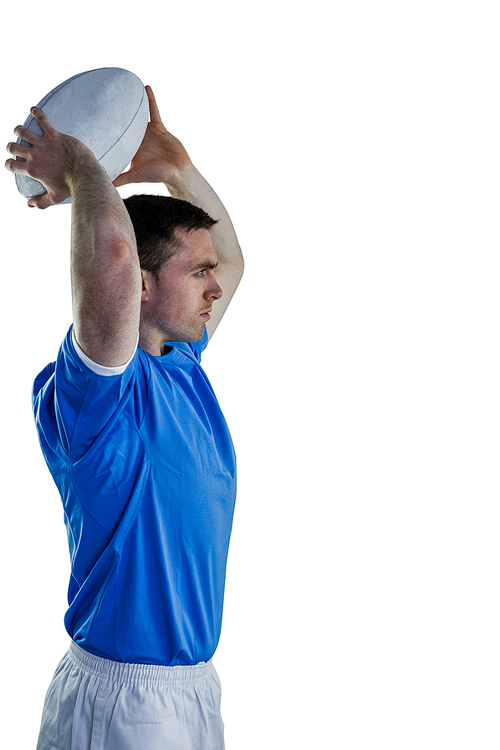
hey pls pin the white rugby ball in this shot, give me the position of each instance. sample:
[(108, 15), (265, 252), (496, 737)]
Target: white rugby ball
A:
[(107, 109)]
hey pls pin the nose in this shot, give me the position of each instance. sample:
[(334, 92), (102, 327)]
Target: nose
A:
[(214, 291)]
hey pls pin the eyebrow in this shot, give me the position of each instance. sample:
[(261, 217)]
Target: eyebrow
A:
[(199, 266)]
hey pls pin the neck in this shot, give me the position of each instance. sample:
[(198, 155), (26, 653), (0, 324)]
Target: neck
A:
[(151, 342)]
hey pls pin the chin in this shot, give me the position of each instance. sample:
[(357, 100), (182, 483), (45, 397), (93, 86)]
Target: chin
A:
[(200, 335), (192, 336)]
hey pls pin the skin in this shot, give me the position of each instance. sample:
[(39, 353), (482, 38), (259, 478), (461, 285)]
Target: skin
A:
[(112, 297), (177, 305)]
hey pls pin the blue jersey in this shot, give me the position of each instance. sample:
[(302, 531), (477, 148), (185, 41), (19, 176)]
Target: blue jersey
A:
[(145, 467)]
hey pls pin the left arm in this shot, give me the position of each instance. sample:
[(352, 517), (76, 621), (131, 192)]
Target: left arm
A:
[(163, 158)]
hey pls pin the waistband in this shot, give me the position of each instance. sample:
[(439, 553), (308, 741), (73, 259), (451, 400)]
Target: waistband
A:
[(125, 673)]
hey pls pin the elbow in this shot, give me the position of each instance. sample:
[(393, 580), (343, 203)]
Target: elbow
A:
[(239, 266), (121, 251)]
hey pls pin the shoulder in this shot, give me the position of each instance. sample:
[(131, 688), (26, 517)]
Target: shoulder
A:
[(75, 402)]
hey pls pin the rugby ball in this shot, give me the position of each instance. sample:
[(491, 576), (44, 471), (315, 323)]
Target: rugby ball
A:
[(107, 109)]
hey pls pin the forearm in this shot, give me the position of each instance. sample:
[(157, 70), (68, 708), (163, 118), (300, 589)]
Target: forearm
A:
[(191, 186)]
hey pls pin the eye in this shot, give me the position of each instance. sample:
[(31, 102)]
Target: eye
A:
[(201, 273)]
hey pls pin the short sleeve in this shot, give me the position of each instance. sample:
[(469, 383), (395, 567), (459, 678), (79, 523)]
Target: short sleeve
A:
[(94, 366), (75, 407)]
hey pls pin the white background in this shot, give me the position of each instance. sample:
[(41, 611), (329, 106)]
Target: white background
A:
[(356, 147)]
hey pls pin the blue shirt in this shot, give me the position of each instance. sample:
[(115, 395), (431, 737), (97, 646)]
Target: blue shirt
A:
[(145, 467)]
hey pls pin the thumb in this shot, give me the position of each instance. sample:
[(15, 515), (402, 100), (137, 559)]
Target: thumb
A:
[(38, 201), (45, 200), (124, 178)]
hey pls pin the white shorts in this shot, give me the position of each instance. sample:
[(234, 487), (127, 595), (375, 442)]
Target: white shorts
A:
[(98, 704)]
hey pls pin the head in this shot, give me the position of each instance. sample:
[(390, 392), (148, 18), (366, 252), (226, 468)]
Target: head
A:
[(156, 220), (178, 265)]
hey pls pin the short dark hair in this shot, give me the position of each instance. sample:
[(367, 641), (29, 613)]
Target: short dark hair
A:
[(155, 219)]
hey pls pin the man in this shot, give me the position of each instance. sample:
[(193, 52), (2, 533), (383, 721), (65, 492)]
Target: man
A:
[(138, 447)]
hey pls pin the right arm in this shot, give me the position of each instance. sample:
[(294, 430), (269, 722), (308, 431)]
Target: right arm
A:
[(105, 272)]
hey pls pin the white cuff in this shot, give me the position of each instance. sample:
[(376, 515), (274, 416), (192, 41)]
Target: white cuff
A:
[(100, 369)]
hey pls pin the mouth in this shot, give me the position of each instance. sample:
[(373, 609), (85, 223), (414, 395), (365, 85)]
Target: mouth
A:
[(206, 315)]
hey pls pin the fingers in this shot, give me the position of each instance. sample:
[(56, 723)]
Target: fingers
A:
[(41, 119), (25, 134), (28, 135), (44, 156), (20, 150), (154, 112), (15, 165), (17, 149)]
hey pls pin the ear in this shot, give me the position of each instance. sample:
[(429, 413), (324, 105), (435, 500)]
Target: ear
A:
[(146, 285)]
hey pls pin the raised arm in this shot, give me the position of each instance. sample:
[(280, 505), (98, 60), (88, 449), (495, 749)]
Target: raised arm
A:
[(163, 158), (105, 273)]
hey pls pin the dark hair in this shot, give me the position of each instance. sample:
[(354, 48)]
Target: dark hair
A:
[(155, 219)]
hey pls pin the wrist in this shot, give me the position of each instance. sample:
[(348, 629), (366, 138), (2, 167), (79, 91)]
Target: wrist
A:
[(186, 183), (83, 167)]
